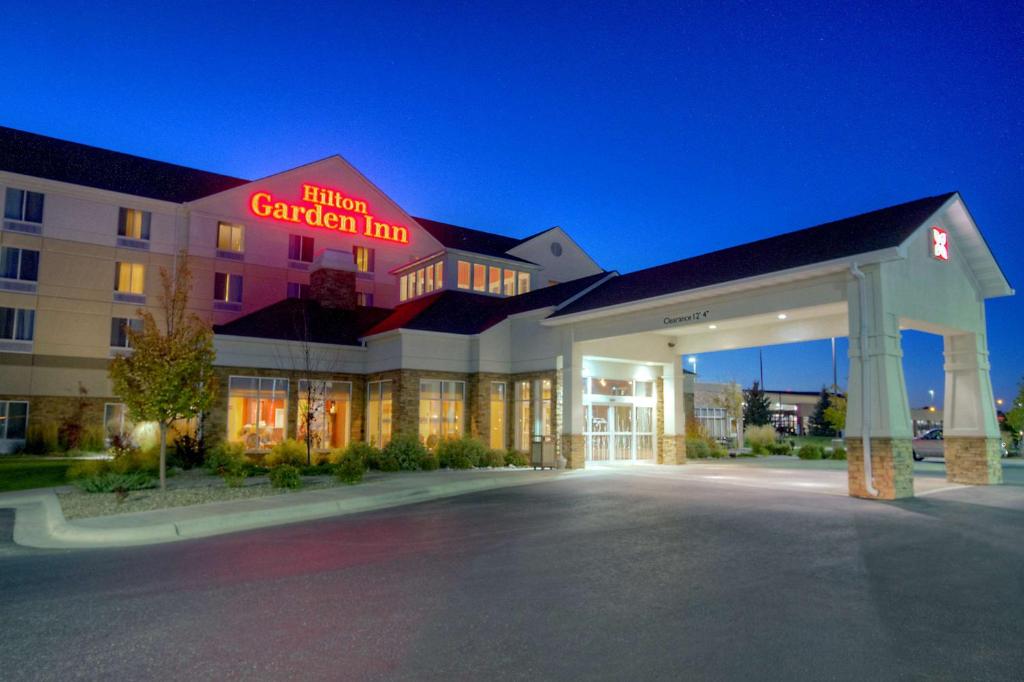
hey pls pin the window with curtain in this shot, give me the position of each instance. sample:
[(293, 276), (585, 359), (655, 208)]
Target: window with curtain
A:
[(230, 237), (257, 411), (129, 278), (133, 223), (442, 406), (378, 412)]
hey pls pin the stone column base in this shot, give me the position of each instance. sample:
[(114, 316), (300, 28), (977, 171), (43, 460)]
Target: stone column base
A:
[(672, 449), (573, 449), (973, 460), (892, 465)]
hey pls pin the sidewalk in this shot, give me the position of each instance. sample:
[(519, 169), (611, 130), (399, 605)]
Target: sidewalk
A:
[(39, 521)]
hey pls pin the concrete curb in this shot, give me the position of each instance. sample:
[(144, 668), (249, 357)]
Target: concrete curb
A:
[(39, 520)]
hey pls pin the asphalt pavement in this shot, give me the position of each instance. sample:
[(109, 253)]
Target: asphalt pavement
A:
[(640, 573)]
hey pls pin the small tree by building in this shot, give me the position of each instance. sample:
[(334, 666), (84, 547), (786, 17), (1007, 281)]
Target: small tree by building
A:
[(818, 423), (1014, 418), (168, 375), (757, 411), (835, 413), (730, 399)]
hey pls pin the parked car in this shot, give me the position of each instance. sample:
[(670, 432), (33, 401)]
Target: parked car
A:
[(929, 444)]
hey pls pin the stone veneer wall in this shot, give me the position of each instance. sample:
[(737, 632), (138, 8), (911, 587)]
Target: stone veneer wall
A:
[(55, 409), (671, 449), (892, 465), (974, 461)]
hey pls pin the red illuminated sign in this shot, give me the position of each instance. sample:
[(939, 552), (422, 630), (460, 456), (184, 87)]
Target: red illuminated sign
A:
[(940, 244), (328, 209)]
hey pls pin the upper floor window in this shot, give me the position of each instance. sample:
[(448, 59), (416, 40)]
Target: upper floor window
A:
[(227, 287), (20, 204), (133, 224), (364, 299), (119, 327), (479, 277), (230, 237), (129, 278), (524, 282), (363, 257), (492, 279), (21, 264), (17, 324), (464, 275), (421, 281), (300, 248)]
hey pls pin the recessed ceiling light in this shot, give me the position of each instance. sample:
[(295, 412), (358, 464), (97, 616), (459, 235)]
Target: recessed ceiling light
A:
[(712, 326), (782, 316)]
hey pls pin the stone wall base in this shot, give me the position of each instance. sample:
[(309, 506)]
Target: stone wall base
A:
[(573, 450), (974, 461), (892, 465), (672, 449)]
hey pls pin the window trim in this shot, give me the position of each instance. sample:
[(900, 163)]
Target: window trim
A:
[(7, 415), (230, 251)]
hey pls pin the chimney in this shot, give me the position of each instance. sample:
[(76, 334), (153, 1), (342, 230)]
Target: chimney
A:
[(332, 280)]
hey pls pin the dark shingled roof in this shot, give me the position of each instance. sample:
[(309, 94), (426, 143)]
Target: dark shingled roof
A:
[(464, 312), (47, 157), (288, 319), (474, 241), (884, 228)]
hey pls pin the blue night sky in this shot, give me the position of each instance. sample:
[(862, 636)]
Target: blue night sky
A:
[(649, 131)]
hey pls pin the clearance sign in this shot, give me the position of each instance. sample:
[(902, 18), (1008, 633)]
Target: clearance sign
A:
[(328, 209)]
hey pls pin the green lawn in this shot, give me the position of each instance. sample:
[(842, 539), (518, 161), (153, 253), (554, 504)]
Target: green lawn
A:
[(21, 473)]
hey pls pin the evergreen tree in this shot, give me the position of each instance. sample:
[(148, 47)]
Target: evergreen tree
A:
[(818, 422), (757, 411)]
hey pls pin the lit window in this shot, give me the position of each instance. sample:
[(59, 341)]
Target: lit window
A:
[(21, 264), (430, 278), (497, 416), (403, 288), (129, 278), (17, 324), (300, 248), (119, 327), (364, 299), (257, 411), (479, 275), (13, 419), (133, 224), (510, 282), (524, 282), (439, 275), (295, 290), (22, 205), (230, 237), (227, 287), (419, 282), (325, 411), (493, 280), (378, 413), (363, 257), (522, 416), (442, 404), (464, 271)]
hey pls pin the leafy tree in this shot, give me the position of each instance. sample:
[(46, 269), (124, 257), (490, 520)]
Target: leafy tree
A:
[(757, 411), (168, 375), (835, 413), (818, 422), (730, 399), (1015, 415)]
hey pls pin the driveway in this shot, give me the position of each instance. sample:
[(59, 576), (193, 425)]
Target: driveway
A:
[(628, 574)]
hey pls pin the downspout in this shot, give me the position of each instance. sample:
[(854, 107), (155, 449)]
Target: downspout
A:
[(865, 403)]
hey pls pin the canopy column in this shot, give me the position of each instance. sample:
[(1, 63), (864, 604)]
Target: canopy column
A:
[(672, 413), (970, 432)]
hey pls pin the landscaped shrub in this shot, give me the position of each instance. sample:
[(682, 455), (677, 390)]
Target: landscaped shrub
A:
[(429, 461), (285, 476), (225, 457), (188, 453), (717, 451), (86, 468), (407, 450), (838, 452), (41, 439), (136, 461), (322, 468), (759, 438), (92, 439), (111, 482), (810, 451), (780, 448), (364, 451), (697, 448), (350, 467), (460, 453), (289, 451), (514, 458)]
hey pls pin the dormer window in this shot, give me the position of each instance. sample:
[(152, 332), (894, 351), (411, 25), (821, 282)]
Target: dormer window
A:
[(492, 279)]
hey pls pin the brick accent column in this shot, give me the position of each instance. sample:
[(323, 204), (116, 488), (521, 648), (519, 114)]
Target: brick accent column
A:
[(973, 460), (573, 450), (892, 465), (672, 450)]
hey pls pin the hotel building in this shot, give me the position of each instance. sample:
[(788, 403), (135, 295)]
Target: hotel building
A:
[(410, 325)]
